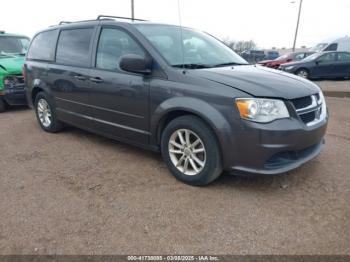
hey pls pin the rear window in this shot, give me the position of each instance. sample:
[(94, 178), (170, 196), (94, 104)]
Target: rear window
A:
[(332, 47), (73, 47), (43, 46)]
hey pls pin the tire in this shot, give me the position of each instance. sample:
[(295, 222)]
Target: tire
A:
[(304, 73), (44, 108), (208, 162), (2, 105)]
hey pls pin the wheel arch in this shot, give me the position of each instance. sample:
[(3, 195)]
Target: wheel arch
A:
[(36, 90), (180, 106), (38, 86)]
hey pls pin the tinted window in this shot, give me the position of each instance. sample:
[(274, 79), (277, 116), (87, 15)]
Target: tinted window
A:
[(74, 47), (189, 46), (43, 46), (344, 57), (112, 45), (332, 47), (300, 56), (330, 57), (13, 45)]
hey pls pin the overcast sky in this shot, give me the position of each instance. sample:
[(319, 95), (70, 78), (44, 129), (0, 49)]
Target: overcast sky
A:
[(268, 22)]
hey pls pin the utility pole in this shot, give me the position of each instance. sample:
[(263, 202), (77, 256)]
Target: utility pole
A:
[(296, 30), (132, 10)]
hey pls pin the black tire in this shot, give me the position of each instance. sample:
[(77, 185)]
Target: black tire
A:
[(55, 124), (302, 72), (212, 168), (2, 105)]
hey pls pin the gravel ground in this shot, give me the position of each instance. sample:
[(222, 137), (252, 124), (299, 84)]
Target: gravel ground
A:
[(339, 88), (79, 193)]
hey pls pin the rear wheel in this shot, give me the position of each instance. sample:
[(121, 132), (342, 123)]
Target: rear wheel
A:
[(2, 105), (302, 73), (46, 115), (191, 151)]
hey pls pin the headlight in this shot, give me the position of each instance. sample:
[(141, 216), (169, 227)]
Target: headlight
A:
[(261, 110), (289, 67)]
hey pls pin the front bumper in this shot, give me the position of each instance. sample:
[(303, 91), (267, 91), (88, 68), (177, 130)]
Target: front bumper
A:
[(15, 95), (277, 147)]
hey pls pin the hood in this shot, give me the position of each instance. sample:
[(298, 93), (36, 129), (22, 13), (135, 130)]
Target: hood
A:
[(259, 81), (12, 65)]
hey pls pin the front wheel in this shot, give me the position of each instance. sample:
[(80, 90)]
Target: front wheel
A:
[(46, 115), (191, 151), (302, 73)]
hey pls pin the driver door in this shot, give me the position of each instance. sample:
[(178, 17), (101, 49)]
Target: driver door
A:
[(119, 99), (325, 66)]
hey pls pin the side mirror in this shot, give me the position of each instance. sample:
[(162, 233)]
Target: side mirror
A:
[(317, 62), (289, 60), (135, 64)]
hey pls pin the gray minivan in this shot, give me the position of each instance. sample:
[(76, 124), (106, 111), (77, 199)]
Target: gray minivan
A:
[(174, 90)]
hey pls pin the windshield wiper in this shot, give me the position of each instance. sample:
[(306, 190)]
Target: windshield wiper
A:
[(192, 66), (229, 64)]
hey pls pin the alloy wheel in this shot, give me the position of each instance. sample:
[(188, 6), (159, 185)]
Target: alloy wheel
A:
[(187, 152), (44, 113)]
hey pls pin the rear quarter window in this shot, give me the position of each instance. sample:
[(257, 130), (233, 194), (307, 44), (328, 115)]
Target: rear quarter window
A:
[(43, 46)]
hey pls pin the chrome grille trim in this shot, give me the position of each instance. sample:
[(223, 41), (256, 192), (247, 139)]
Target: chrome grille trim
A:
[(317, 106)]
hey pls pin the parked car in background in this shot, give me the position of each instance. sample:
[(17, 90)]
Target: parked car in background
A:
[(341, 44), (319, 47), (321, 65), (12, 51), (296, 56), (253, 56), (271, 55)]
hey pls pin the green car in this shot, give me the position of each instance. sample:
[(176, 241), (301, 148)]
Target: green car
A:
[(12, 52)]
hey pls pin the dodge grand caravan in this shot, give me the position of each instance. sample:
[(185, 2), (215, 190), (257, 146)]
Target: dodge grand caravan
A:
[(174, 90)]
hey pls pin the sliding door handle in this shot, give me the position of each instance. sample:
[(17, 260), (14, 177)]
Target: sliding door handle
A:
[(96, 79)]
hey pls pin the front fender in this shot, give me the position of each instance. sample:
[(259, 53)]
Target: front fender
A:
[(200, 108)]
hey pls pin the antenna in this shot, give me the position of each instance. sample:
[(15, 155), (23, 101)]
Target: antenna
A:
[(181, 36)]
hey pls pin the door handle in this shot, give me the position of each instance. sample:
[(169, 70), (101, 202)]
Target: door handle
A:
[(80, 77), (96, 79)]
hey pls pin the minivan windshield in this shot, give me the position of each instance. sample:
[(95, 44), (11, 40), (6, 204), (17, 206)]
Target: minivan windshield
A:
[(10, 45), (189, 48)]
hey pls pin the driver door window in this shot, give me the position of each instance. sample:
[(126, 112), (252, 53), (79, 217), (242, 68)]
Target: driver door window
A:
[(113, 44)]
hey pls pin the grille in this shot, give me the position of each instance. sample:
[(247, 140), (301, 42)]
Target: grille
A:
[(308, 117), (20, 79), (308, 108), (13, 81), (302, 102)]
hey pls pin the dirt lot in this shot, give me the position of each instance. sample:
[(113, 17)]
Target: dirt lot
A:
[(78, 193)]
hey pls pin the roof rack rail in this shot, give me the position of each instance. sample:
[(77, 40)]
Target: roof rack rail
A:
[(100, 17), (64, 22)]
